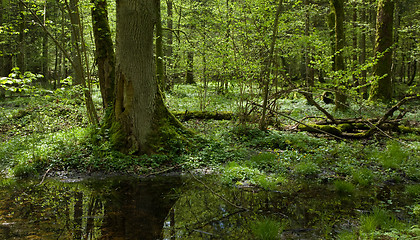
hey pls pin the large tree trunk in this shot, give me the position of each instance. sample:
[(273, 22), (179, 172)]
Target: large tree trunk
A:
[(381, 88), (105, 56), (142, 122)]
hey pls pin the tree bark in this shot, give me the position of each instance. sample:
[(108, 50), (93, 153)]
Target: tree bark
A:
[(105, 56), (45, 59), (189, 76), (338, 9), (75, 40), (142, 124), (381, 88), (2, 58), (160, 67), (169, 41), (309, 71), (22, 44), (355, 50), (362, 57)]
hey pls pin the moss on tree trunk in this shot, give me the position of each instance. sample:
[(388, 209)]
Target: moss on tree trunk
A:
[(338, 10), (381, 88), (105, 56), (142, 122)]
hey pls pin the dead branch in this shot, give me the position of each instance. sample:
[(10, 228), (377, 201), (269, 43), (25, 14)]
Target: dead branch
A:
[(394, 108)]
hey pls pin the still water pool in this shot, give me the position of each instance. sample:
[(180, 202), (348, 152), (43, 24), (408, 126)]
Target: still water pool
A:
[(179, 207)]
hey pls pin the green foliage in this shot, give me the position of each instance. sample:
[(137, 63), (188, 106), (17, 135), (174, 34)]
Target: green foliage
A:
[(240, 175), (413, 190), (23, 170), (363, 176), (267, 229), (307, 168), (379, 219), (267, 161), (17, 82), (393, 156), (343, 187), (347, 235), (416, 211)]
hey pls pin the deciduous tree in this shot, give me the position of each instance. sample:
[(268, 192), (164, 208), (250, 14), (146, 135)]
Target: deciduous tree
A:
[(142, 124), (381, 88)]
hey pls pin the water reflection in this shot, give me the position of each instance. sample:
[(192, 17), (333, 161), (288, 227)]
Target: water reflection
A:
[(308, 211), (180, 208), (117, 208)]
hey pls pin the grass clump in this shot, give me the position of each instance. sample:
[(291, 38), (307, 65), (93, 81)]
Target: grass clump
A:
[(307, 168), (267, 161), (241, 175), (347, 235), (413, 190), (394, 156), (379, 222), (343, 187), (363, 176), (267, 229)]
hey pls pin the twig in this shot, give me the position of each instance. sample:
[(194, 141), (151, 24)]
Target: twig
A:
[(43, 177), (395, 108), (164, 170), (310, 99), (290, 118)]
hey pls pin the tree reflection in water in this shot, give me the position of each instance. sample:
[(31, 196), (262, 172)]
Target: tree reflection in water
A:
[(178, 208), (116, 208)]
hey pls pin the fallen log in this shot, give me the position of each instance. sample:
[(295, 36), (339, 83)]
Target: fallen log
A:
[(355, 131), (187, 115)]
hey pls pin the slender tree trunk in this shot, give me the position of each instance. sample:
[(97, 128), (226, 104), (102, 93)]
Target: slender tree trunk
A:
[(338, 7), (309, 71), (160, 67), (143, 124), (169, 43), (362, 57), (105, 56), (267, 69), (355, 50), (381, 88), (75, 39), (22, 44), (189, 76), (2, 49), (331, 26), (395, 59), (45, 59), (413, 73), (80, 56)]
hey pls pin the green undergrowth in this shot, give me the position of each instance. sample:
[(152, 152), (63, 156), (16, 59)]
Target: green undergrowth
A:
[(51, 132), (380, 224)]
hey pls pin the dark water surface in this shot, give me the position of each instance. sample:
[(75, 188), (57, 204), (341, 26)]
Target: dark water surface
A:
[(175, 207)]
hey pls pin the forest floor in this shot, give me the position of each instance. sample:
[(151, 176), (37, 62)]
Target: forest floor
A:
[(50, 134)]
